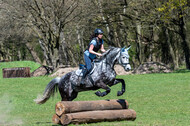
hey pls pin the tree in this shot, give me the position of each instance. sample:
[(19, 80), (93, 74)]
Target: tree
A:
[(175, 12)]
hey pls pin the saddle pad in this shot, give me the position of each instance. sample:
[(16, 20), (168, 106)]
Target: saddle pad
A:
[(79, 72)]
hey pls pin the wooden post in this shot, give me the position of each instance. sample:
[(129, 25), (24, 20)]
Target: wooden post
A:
[(78, 106), (98, 116), (16, 72)]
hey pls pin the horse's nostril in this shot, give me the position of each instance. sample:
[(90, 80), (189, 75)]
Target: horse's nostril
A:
[(127, 69)]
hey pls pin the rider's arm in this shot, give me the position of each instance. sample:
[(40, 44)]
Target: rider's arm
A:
[(93, 52), (102, 48)]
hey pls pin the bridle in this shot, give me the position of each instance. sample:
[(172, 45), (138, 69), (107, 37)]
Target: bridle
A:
[(120, 60)]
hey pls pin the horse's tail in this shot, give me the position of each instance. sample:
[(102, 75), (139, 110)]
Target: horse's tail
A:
[(49, 91)]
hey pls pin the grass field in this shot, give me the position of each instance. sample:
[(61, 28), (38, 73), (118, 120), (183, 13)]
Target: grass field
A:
[(158, 99)]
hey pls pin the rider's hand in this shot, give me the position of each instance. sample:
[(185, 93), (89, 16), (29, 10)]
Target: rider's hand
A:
[(99, 54)]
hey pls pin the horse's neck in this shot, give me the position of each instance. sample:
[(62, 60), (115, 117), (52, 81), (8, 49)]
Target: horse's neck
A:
[(106, 65), (111, 58)]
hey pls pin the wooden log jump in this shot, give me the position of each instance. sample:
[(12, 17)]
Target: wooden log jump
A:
[(96, 116), (16, 72), (76, 112), (78, 106)]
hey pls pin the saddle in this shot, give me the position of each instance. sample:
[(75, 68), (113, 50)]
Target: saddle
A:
[(81, 67)]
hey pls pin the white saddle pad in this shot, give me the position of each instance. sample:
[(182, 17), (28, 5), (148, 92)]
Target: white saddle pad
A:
[(79, 72)]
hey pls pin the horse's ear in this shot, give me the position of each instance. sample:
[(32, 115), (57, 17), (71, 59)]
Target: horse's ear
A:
[(123, 49), (128, 48)]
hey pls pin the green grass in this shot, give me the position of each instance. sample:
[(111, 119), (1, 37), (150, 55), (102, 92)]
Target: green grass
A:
[(158, 99)]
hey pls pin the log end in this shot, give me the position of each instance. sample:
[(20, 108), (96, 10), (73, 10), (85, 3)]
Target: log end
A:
[(56, 119), (59, 109), (134, 116), (65, 119)]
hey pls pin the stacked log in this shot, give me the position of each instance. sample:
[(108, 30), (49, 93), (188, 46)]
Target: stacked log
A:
[(77, 112), (78, 106), (16, 72)]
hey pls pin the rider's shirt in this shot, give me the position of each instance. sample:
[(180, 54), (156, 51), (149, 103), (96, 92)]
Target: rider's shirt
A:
[(97, 46)]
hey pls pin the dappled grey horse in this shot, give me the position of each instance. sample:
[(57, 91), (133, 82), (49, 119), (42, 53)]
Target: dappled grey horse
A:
[(102, 76)]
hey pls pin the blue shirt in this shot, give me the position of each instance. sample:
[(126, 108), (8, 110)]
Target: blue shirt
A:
[(92, 56)]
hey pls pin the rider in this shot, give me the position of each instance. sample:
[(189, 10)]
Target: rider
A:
[(96, 43)]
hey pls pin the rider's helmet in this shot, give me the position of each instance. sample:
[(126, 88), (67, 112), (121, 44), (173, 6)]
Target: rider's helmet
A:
[(98, 31)]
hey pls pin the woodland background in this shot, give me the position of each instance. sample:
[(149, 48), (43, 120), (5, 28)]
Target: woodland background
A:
[(56, 32)]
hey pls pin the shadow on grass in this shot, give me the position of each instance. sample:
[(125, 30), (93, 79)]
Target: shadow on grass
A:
[(46, 123), (182, 71)]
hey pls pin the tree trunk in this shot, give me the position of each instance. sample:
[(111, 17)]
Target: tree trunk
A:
[(138, 41), (171, 50), (45, 52), (106, 23), (123, 29), (123, 32), (79, 39), (19, 55), (117, 40), (33, 53), (63, 56), (185, 43)]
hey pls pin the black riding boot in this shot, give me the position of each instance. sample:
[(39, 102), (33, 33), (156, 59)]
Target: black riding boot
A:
[(85, 72)]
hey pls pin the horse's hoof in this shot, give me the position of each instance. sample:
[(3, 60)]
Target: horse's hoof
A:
[(98, 93), (103, 94), (119, 93)]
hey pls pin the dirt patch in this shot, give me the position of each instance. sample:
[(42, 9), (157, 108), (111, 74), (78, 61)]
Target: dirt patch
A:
[(41, 71), (62, 71), (152, 67), (145, 68)]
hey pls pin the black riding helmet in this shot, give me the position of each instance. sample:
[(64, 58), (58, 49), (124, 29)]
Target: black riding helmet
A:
[(98, 31)]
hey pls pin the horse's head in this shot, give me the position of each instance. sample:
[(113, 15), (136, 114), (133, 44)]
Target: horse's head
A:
[(124, 58)]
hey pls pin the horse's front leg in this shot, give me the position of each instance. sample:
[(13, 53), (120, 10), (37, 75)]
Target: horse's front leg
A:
[(116, 81), (103, 86)]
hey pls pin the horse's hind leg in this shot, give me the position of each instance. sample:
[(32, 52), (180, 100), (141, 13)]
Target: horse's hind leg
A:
[(63, 95), (70, 93), (73, 96)]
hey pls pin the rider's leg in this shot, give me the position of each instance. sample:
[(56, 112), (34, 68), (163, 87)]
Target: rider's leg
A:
[(85, 72), (88, 66)]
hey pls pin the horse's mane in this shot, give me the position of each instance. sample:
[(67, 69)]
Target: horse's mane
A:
[(104, 54)]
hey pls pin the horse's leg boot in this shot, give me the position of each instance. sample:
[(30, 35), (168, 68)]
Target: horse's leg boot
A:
[(85, 72)]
